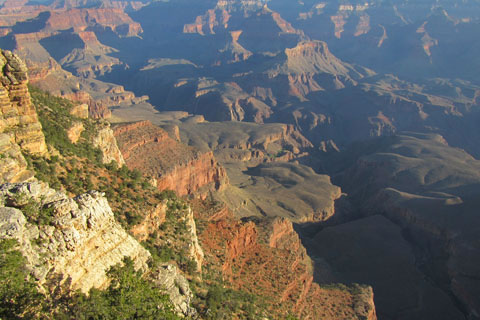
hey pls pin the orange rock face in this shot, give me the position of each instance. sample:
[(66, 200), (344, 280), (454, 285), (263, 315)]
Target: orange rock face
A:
[(268, 258), (20, 129), (175, 166)]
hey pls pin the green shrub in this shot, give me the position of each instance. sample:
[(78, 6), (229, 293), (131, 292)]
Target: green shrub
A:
[(128, 296), (54, 115), (33, 210), (223, 302), (19, 297)]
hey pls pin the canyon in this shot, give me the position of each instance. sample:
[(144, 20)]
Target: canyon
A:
[(326, 151)]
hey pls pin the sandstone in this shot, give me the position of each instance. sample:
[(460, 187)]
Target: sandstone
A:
[(96, 109), (13, 167), (20, 130), (151, 222), (79, 19), (195, 250), (17, 113), (207, 23)]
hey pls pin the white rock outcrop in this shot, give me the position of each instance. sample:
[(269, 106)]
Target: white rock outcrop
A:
[(78, 246)]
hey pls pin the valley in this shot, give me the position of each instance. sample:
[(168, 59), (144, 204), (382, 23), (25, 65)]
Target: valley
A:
[(323, 155)]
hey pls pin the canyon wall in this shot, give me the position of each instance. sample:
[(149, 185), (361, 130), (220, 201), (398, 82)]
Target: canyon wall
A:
[(20, 130), (174, 166), (248, 251)]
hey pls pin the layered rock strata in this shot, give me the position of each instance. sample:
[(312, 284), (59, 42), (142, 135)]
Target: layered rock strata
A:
[(18, 114), (175, 166), (20, 130)]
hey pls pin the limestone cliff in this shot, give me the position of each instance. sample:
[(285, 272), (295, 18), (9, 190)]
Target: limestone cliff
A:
[(13, 167), (20, 129), (175, 166), (70, 243), (80, 242), (188, 239), (172, 281)]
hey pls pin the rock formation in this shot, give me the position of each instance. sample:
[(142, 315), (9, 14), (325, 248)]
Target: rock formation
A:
[(426, 189), (311, 61), (18, 113), (75, 131), (195, 251), (20, 130), (253, 248), (80, 19), (175, 166), (208, 22), (174, 283), (80, 242), (106, 142)]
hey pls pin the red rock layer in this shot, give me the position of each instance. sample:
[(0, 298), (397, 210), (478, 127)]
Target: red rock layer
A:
[(268, 259), (175, 166)]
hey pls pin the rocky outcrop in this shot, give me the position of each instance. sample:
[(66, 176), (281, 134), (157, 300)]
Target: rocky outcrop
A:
[(80, 111), (13, 167), (106, 142), (20, 130), (88, 60), (75, 131), (96, 109), (228, 102), (312, 58), (38, 71), (241, 141), (174, 283), (234, 51), (186, 178), (151, 222), (18, 114), (76, 245), (195, 251), (175, 166), (266, 257)]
